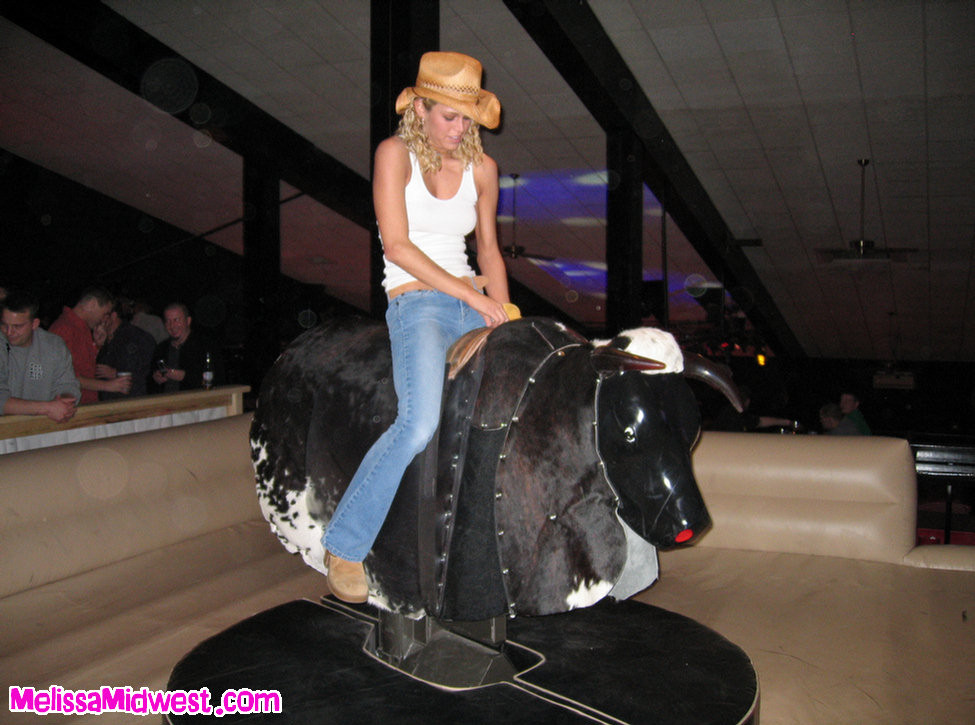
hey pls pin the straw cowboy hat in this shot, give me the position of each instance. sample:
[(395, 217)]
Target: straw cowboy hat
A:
[(453, 79)]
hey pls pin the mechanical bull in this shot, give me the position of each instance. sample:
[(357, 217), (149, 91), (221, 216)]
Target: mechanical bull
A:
[(558, 467)]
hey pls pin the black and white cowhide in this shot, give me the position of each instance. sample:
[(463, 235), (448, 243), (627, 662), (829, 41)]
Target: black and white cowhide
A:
[(559, 467)]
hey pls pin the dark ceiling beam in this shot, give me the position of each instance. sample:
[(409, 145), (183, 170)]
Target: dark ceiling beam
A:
[(106, 42), (574, 41)]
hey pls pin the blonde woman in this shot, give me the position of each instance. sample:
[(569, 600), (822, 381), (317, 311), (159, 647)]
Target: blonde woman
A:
[(432, 185)]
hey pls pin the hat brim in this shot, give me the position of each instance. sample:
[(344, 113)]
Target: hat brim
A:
[(486, 111)]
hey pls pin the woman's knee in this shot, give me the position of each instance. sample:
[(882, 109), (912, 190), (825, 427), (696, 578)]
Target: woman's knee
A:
[(418, 430)]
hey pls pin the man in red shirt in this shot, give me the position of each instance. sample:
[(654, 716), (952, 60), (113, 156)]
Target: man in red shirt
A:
[(75, 326)]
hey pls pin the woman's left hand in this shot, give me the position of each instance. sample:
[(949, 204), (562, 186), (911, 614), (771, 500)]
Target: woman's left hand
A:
[(492, 311)]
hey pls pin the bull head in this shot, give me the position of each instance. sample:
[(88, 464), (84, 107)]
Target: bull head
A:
[(647, 425)]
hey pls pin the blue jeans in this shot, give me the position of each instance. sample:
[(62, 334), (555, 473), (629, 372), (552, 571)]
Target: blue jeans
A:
[(422, 326)]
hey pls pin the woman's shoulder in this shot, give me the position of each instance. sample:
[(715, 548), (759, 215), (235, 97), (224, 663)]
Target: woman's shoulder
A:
[(486, 169), (393, 147), (393, 156)]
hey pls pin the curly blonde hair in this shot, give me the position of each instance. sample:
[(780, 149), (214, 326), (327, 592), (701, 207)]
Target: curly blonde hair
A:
[(413, 134)]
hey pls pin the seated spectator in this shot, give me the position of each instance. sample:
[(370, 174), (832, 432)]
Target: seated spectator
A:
[(36, 374), (834, 423), (181, 360), (127, 350), (729, 419), (76, 326), (850, 406)]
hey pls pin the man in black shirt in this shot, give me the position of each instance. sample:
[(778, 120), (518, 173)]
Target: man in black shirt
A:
[(127, 350), (181, 360)]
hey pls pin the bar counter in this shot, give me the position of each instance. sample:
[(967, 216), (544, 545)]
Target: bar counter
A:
[(120, 417)]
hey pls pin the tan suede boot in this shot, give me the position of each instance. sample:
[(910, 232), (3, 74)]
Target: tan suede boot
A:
[(346, 579)]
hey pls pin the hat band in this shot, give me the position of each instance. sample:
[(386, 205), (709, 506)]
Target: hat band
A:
[(472, 92)]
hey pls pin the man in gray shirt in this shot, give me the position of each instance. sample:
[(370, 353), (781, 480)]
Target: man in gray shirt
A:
[(36, 375)]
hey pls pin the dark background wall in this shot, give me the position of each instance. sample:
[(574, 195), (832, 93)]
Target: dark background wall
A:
[(58, 237), (940, 407)]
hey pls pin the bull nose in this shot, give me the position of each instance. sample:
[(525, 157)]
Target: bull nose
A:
[(685, 535)]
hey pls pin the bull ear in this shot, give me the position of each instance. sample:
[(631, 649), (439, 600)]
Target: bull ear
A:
[(608, 359), (716, 375)]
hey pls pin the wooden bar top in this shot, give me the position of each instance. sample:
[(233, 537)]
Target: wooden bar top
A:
[(230, 397)]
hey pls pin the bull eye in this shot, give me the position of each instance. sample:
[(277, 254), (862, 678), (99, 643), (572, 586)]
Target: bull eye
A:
[(629, 434)]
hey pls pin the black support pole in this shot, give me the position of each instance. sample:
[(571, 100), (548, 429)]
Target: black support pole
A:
[(624, 231), (262, 268), (665, 293), (401, 31)]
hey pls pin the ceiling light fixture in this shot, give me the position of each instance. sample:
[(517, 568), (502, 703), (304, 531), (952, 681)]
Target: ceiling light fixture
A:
[(862, 249)]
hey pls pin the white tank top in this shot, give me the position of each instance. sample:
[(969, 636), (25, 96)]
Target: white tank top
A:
[(437, 226)]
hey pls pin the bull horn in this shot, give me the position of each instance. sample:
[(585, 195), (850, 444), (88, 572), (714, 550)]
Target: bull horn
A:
[(716, 375), (608, 359)]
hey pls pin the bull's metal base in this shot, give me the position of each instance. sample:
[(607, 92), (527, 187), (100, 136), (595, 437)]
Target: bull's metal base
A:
[(455, 656), (612, 663)]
